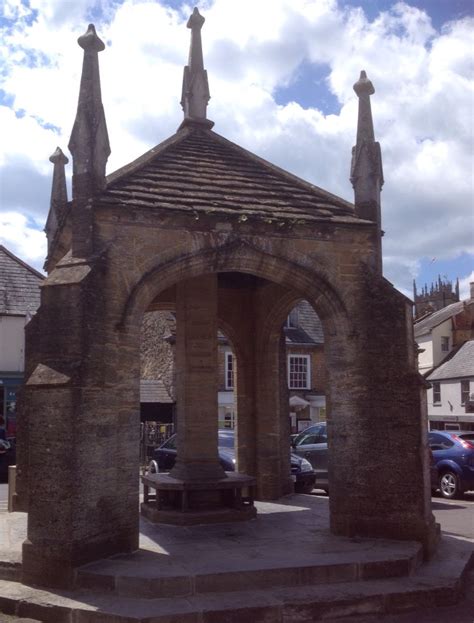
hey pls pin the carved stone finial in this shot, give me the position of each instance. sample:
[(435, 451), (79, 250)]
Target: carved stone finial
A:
[(364, 85), (90, 41), (195, 95), (364, 89), (89, 142), (58, 157), (366, 166), (58, 195)]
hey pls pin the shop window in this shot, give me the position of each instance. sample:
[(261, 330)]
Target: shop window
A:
[(8, 409), (227, 420), (452, 427)]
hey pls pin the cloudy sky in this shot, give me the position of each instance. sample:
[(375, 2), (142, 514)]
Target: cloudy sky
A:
[(281, 75)]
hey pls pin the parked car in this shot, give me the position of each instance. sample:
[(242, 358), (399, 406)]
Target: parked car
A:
[(312, 445), (164, 457), (454, 456), (7, 457)]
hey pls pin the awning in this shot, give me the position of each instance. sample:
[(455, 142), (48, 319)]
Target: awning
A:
[(297, 403)]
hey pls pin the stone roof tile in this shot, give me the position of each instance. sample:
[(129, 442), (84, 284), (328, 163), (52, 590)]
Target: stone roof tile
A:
[(461, 364), (200, 171), (425, 325)]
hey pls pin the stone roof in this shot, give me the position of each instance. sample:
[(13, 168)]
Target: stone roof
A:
[(425, 325), (19, 285), (309, 330), (154, 391), (199, 171), (461, 364)]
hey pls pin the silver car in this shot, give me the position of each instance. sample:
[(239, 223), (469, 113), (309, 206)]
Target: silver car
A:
[(312, 445)]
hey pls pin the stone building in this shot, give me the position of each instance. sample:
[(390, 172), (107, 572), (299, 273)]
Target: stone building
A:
[(157, 370), (231, 242), (438, 295), (306, 377)]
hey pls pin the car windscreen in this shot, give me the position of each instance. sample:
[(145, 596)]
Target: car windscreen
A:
[(226, 440), (311, 432)]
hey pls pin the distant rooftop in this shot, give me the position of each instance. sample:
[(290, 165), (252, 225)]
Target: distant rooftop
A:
[(425, 325), (460, 365), (309, 330), (19, 285), (154, 391)]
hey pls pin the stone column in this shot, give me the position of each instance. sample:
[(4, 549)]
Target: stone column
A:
[(378, 468), (196, 380), (272, 410)]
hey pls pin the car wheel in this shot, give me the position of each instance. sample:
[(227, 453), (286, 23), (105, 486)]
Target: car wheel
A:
[(449, 485), (153, 467), (304, 487)]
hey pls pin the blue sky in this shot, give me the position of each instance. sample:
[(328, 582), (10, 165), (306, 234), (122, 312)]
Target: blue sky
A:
[(281, 75)]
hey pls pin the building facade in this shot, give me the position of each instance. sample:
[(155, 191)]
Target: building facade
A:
[(305, 377), (451, 394), (443, 339), (19, 300)]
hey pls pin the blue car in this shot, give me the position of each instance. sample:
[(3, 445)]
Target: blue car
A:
[(454, 456)]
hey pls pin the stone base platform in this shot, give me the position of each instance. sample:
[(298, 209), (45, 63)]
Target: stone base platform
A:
[(193, 518), (173, 501), (283, 566)]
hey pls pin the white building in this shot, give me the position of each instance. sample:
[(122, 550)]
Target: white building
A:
[(451, 395), (440, 337), (19, 300), (434, 336)]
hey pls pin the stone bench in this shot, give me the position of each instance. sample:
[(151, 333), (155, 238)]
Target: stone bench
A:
[(182, 502)]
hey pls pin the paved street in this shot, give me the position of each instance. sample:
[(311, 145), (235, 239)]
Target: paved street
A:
[(3, 497)]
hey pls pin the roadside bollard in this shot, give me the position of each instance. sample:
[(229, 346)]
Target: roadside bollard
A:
[(11, 486)]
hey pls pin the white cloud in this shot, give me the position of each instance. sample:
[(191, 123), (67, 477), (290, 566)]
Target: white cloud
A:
[(23, 238), (422, 105), (465, 286)]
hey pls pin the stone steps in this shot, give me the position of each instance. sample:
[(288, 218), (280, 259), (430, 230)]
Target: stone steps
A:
[(304, 604), (146, 575), (437, 583)]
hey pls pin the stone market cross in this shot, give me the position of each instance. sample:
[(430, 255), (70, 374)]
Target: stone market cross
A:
[(229, 241)]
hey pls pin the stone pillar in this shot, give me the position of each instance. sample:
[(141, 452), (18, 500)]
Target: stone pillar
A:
[(196, 380), (272, 407), (378, 468), (79, 443)]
